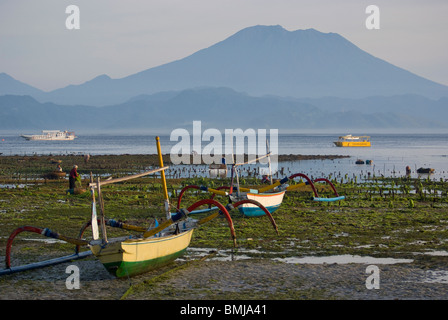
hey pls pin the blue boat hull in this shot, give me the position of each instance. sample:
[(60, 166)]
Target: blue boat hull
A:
[(256, 211), (271, 201)]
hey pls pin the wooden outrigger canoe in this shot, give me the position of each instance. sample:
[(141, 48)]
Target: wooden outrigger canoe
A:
[(282, 185), (135, 256), (55, 175), (250, 202), (270, 196), (270, 200), (157, 247)]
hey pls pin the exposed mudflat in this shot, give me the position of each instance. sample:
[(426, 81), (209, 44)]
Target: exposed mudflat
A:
[(259, 279), (398, 225)]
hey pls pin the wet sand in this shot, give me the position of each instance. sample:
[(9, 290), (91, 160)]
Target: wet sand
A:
[(251, 279)]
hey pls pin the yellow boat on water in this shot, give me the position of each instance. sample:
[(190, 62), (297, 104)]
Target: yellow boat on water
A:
[(353, 141)]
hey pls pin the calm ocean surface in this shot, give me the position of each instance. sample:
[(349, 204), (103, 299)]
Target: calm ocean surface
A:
[(390, 153)]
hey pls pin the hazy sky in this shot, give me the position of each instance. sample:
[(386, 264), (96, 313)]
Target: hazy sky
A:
[(119, 38)]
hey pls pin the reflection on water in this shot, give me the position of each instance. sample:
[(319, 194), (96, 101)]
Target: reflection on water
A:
[(244, 254), (343, 259), (14, 186)]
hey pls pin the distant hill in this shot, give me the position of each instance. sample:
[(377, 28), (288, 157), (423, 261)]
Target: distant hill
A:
[(24, 112), (223, 108), (262, 60), (9, 85)]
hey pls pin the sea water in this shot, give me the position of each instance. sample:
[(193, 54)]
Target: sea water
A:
[(389, 153)]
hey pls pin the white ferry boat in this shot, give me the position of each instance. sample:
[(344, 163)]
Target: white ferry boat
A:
[(51, 135)]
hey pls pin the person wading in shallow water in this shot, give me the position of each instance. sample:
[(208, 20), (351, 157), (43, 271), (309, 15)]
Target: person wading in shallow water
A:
[(73, 176)]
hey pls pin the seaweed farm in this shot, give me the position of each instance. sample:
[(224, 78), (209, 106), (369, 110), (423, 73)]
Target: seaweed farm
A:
[(402, 218), (25, 194)]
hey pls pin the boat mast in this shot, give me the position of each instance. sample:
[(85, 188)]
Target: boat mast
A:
[(101, 204), (162, 173), (94, 221), (269, 158)]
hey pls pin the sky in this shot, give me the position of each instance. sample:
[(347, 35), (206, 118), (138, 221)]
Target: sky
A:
[(123, 37)]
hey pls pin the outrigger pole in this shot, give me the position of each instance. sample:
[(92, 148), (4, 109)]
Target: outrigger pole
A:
[(48, 233)]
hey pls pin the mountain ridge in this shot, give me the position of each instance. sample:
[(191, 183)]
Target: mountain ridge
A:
[(223, 108), (261, 60), (10, 85)]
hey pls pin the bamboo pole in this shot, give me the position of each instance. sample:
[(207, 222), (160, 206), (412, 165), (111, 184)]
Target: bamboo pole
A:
[(101, 203), (165, 190), (253, 160), (138, 175)]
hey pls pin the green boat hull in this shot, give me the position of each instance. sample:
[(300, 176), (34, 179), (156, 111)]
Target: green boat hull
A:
[(128, 269)]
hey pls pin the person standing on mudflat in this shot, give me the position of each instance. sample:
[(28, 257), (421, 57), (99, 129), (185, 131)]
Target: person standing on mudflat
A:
[(72, 177)]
